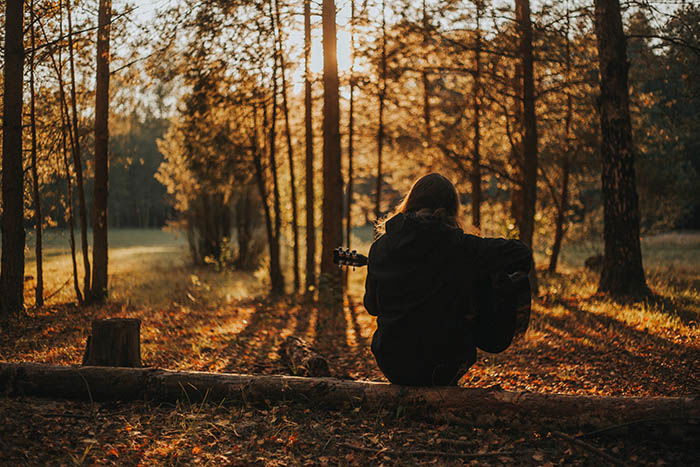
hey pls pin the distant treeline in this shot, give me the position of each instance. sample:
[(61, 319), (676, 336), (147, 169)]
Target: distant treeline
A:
[(136, 198)]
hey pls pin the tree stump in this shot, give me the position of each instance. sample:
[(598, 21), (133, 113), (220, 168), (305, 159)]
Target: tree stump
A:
[(114, 342), (301, 359)]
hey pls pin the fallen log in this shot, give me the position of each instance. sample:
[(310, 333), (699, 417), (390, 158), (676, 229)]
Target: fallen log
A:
[(113, 383), (301, 360)]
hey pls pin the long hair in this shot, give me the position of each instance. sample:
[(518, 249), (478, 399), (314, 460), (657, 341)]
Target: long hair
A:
[(431, 196)]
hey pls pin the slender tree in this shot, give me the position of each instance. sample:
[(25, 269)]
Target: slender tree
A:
[(622, 274), (290, 152), (77, 157), (331, 286), (66, 134), (561, 202), (310, 283), (98, 290), (260, 179), (526, 222), (475, 175), (275, 264), (351, 135), (12, 263), (38, 220), (425, 77), (380, 128)]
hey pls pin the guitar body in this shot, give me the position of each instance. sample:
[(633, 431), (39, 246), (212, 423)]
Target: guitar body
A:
[(503, 303)]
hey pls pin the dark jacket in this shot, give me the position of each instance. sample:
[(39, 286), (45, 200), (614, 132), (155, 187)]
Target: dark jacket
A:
[(426, 284)]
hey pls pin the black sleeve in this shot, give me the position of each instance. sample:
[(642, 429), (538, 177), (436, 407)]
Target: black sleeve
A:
[(370, 299), (497, 255)]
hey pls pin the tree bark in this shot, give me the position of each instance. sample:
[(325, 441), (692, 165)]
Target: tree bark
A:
[(622, 274), (105, 384), (77, 158), (38, 219), (310, 282), (114, 342), (98, 290), (301, 360), (331, 292), (13, 235), (290, 153)]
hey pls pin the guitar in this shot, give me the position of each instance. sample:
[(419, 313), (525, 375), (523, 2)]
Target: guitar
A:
[(507, 295)]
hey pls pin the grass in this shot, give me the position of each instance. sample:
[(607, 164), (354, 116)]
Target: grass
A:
[(204, 319)]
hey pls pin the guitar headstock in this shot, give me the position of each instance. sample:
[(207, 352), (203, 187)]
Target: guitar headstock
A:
[(346, 257)]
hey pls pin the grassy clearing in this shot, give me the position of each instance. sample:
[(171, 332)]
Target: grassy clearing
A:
[(203, 319)]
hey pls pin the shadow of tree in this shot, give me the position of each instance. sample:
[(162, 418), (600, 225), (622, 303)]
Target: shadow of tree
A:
[(581, 350), (254, 349), (684, 308)]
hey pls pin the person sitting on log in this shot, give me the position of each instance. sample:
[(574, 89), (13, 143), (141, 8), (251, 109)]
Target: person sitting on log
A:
[(439, 293)]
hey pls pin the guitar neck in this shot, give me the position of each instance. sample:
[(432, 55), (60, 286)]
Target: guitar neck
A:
[(345, 257)]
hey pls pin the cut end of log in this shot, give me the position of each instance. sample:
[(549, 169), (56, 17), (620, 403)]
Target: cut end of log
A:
[(301, 360)]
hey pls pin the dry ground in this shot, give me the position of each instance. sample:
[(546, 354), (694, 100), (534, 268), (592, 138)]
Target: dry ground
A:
[(204, 319)]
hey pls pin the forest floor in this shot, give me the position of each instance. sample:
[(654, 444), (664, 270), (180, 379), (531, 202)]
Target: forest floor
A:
[(207, 319)]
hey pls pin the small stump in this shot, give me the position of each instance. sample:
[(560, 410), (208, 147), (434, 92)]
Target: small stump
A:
[(114, 342)]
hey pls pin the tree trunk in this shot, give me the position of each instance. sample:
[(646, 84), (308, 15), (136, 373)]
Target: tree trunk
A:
[(69, 207), (262, 190), (98, 290), (246, 223), (529, 146), (351, 141), (77, 158), (475, 176), (12, 263), (331, 292), (425, 79), (301, 360), (275, 264), (65, 134), (562, 203), (380, 129), (623, 273), (562, 208), (290, 153), (38, 219), (114, 342), (310, 283), (105, 384)]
